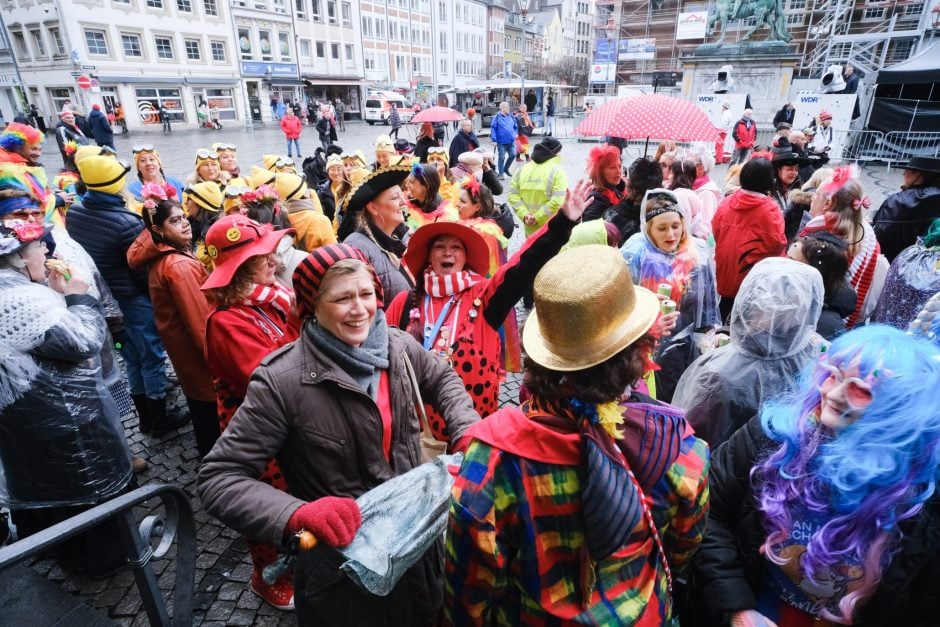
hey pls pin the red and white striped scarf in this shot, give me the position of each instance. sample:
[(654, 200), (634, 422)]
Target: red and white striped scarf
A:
[(278, 296), (862, 271), (438, 286)]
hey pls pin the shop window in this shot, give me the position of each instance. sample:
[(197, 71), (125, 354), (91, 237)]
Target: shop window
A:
[(149, 101), (221, 99)]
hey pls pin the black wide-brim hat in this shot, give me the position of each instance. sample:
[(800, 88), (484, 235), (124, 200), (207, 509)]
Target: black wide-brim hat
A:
[(924, 164), (785, 155), (374, 184)]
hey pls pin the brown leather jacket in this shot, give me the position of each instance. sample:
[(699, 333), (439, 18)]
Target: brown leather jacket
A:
[(325, 432)]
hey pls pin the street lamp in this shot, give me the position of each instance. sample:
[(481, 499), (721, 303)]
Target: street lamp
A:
[(523, 11), (613, 46)]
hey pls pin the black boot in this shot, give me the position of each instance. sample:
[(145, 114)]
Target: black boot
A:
[(163, 423), (206, 428), (144, 421)]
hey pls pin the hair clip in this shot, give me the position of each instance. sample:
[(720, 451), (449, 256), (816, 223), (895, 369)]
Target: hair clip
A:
[(859, 203)]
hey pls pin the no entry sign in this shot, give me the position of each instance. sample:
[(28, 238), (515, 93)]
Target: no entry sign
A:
[(84, 82)]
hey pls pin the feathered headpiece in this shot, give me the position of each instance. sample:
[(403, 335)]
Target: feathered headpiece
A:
[(842, 175), (472, 185)]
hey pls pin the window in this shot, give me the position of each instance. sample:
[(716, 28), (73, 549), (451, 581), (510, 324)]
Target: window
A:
[(873, 14), (367, 26), (346, 12), (164, 47), (321, 50), (193, 49), (22, 50), (316, 11), (267, 50), (331, 11), (210, 7), (399, 63), (244, 43), (218, 51), (349, 52), (131, 45), (57, 44), (380, 28), (334, 51), (404, 33), (443, 65), (300, 8), (280, 6), (184, 6), (155, 4), (149, 101), (392, 30), (368, 60), (305, 50), (94, 39), (796, 19), (38, 43), (283, 44), (221, 99), (442, 11), (900, 51), (443, 47)]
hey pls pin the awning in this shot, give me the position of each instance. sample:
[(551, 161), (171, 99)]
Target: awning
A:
[(287, 82), (173, 80), (321, 79), (921, 68)]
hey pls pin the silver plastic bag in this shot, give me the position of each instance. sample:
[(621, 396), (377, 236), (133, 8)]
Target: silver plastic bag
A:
[(401, 519)]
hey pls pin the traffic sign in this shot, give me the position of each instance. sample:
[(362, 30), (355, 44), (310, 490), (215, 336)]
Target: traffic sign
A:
[(75, 74), (89, 67), (84, 82)]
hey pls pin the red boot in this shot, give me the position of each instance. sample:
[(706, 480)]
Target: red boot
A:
[(278, 595)]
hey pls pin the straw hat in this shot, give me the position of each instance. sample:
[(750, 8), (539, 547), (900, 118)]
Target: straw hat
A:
[(586, 310), (374, 184)]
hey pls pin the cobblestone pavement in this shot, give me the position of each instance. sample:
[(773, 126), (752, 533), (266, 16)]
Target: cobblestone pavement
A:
[(222, 565)]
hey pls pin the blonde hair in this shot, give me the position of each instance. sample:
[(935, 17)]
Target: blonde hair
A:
[(849, 225), (660, 202)]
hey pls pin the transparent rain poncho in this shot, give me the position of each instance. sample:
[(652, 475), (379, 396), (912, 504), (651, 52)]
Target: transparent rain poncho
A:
[(61, 438), (914, 276), (689, 271), (773, 337), (401, 519)]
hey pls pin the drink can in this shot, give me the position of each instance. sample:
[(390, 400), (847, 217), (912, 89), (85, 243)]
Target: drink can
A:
[(664, 290), (723, 340), (668, 306)]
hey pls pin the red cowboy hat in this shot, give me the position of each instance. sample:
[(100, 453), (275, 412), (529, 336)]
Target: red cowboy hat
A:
[(234, 239), (419, 246)]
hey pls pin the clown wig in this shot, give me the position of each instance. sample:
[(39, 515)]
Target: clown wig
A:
[(17, 135), (874, 474), (600, 158)]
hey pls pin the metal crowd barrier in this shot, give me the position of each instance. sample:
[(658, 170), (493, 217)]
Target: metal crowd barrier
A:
[(912, 144), (177, 523)]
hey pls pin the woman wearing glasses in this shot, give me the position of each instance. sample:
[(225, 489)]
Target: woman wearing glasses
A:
[(824, 508), (180, 309), (149, 168), (208, 169)]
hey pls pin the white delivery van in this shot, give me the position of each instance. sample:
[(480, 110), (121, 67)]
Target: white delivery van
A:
[(380, 103)]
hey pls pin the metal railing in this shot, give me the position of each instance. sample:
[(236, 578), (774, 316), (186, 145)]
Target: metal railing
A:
[(176, 523)]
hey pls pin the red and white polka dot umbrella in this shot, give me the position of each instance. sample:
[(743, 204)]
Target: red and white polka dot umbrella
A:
[(651, 116)]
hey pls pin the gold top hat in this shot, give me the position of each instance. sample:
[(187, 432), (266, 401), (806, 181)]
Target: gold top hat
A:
[(586, 310)]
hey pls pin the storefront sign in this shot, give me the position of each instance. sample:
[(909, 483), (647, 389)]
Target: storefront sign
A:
[(260, 68), (692, 25)]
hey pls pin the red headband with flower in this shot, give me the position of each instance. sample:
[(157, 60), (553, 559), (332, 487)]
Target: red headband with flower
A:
[(472, 185)]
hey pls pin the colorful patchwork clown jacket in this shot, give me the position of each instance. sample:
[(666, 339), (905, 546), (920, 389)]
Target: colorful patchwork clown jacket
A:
[(516, 547)]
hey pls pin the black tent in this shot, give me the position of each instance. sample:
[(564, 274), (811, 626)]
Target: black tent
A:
[(908, 94)]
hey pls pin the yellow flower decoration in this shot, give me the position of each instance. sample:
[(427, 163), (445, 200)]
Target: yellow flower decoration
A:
[(610, 417)]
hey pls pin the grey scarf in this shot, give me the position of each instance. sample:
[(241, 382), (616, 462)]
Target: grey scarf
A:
[(363, 363)]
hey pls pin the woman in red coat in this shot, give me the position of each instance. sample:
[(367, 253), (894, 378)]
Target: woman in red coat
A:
[(252, 319), (179, 306), (748, 227)]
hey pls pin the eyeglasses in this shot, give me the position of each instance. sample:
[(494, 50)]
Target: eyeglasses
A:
[(858, 393), (27, 215), (202, 154), (143, 148), (236, 191), (224, 147)]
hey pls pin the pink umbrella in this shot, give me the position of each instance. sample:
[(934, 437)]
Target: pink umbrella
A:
[(437, 114), (653, 115)]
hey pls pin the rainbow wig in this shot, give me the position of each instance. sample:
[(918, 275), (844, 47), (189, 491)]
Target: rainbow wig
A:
[(17, 135), (875, 473)]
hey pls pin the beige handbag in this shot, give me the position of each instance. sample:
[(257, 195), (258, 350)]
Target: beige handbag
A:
[(430, 446)]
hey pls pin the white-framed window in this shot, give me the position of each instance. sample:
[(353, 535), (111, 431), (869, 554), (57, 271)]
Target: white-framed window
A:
[(244, 43), (164, 46), (443, 65), (380, 28), (443, 47), (184, 6), (210, 7), (218, 51), (392, 30), (95, 40), (306, 50), (193, 49), (368, 60), (130, 43), (331, 11), (367, 26), (19, 44), (267, 48), (155, 4), (280, 7), (321, 50), (300, 9), (873, 14), (149, 101), (38, 44), (316, 10), (58, 45), (442, 11), (334, 51), (283, 45), (900, 51), (349, 52), (346, 13), (399, 63), (796, 19)]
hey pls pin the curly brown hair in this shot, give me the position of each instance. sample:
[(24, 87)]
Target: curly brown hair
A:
[(601, 383), (240, 285)]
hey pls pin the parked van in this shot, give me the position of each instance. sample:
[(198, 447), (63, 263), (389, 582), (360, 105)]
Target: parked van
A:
[(380, 103)]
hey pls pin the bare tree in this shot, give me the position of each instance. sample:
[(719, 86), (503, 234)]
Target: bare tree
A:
[(571, 71)]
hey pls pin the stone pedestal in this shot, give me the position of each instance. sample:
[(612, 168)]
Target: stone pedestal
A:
[(763, 70)]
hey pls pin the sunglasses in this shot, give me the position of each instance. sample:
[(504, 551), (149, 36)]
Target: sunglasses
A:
[(143, 148), (202, 154), (224, 147), (858, 393)]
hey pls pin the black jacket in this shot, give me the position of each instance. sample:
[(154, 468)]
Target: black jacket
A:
[(599, 203), (728, 566), (491, 179), (836, 308), (64, 134), (101, 128), (106, 229), (461, 143), (327, 201), (903, 217), (421, 148), (784, 116)]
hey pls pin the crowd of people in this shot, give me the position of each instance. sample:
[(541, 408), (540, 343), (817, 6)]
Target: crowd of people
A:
[(724, 416)]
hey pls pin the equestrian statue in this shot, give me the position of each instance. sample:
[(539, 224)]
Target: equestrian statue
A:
[(764, 12)]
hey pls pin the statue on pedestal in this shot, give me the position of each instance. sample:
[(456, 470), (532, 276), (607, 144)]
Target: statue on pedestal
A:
[(765, 13)]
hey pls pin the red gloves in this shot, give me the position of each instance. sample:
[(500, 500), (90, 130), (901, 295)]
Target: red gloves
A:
[(332, 519)]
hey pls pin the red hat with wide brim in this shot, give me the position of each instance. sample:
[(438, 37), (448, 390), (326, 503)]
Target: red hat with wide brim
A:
[(232, 241), (419, 246)]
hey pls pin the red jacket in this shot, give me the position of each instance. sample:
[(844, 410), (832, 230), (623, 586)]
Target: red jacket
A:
[(748, 227), (291, 126), (744, 134)]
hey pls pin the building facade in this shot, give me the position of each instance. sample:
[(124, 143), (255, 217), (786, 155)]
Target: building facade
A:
[(397, 46), (460, 41)]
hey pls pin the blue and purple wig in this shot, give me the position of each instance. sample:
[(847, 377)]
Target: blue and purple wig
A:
[(870, 476)]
